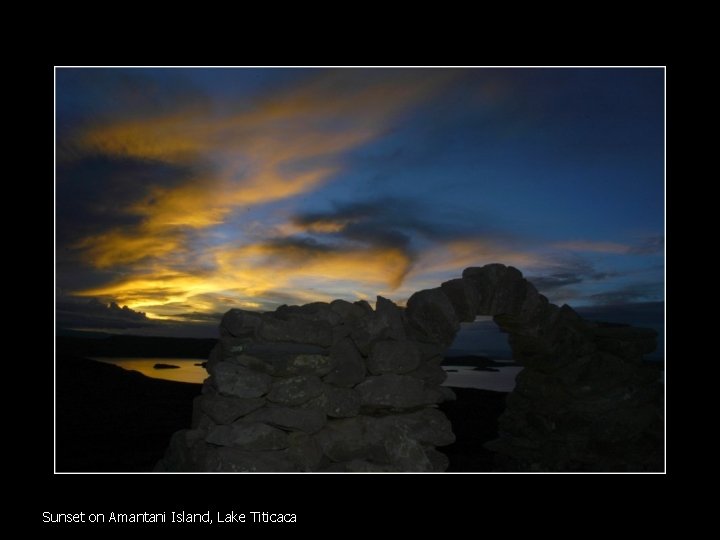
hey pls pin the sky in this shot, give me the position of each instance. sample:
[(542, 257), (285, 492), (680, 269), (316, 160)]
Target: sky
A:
[(182, 193)]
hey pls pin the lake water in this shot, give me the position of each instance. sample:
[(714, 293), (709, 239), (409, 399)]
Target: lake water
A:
[(482, 337), (186, 371), (502, 380)]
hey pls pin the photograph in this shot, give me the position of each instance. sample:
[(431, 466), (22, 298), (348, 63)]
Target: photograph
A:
[(341, 270)]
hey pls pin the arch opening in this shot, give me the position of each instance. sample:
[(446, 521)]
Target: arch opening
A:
[(345, 387), (480, 357)]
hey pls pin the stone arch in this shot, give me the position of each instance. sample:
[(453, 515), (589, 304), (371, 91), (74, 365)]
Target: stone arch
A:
[(341, 386)]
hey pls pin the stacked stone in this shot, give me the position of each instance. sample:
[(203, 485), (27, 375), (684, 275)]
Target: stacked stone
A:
[(319, 387), (343, 387), (585, 400)]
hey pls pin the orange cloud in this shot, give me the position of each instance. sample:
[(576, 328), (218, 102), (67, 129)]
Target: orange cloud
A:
[(280, 146), (254, 276), (447, 260), (456, 255), (127, 246)]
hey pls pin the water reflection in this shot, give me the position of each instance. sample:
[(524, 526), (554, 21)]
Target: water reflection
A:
[(502, 380), (186, 371)]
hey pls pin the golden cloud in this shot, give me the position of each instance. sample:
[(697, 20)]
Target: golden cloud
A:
[(248, 274), (280, 146)]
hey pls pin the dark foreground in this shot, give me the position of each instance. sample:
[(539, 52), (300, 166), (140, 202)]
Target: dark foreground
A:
[(474, 416), (109, 419)]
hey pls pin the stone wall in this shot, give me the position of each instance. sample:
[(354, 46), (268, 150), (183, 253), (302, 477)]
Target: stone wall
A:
[(585, 400), (343, 387), (319, 387)]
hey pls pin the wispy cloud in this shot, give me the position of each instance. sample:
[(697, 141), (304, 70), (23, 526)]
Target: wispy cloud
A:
[(639, 292), (188, 203), (649, 246), (646, 246), (592, 247), (276, 147)]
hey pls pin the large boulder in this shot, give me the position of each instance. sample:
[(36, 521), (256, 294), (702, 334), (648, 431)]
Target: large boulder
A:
[(393, 357), (431, 312), (295, 390), (296, 330), (304, 451), (313, 312), (368, 443), (240, 323), (346, 440), (427, 426), (225, 410), (464, 298), (430, 371), (366, 307), (287, 365), (186, 451), (248, 436), (348, 366), (391, 391), (237, 381), (390, 317), (336, 402), (306, 420), (501, 289), (347, 311)]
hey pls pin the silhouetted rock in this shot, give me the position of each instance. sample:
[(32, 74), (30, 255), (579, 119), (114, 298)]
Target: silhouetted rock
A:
[(349, 368), (430, 372), (346, 440), (348, 311), (296, 331), (237, 381), (343, 387), (390, 318), (337, 402), (310, 364), (427, 426), (306, 420), (225, 410), (392, 391), (248, 436), (501, 289), (431, 312), (240, 323), (463, 296), (295, 390), (391, 443), (314, 312), (165, 366), (304, 452), (393, 357)]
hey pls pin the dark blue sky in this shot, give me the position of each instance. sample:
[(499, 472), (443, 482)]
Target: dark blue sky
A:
[(184, 192)]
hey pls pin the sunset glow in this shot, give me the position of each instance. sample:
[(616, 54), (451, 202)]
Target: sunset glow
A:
[(184, 192)]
